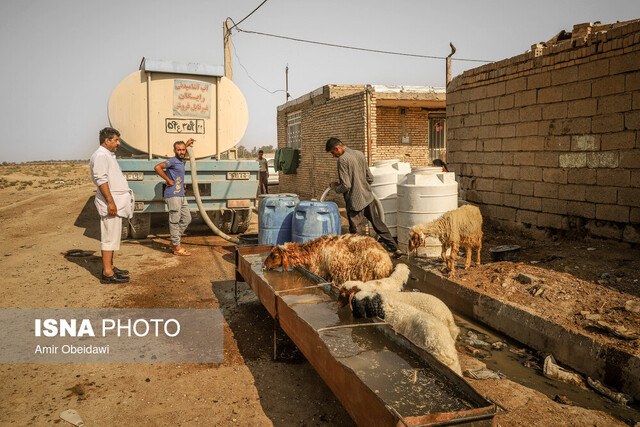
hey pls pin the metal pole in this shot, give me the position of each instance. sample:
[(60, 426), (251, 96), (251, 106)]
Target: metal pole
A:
[(453, 50), (218, 83), (286, 72), (149, 155)]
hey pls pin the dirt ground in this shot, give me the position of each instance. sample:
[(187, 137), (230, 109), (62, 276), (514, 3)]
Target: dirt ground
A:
[(46, 210)]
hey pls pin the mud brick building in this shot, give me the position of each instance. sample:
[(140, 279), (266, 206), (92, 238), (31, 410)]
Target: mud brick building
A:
[(384, 122), (550, 139)]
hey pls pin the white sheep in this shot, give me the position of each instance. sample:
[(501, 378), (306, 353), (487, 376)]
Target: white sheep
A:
[(428, 304), (394, 283), (459, 227), (419, 327)]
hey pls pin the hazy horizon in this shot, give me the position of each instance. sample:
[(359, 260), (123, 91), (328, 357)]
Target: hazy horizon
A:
[(62, 59)]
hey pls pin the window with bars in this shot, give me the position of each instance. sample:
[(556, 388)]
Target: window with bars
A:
[(437, 136), (294, 129)]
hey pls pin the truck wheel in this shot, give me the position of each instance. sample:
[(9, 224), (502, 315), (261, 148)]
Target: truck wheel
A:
[(241, 221), (223, 219), (140, 225)]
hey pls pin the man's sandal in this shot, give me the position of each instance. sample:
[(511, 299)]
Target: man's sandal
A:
[(182, 252)]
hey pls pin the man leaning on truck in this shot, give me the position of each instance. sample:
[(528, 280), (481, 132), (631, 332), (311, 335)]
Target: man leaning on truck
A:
[(114, 201), (179, 213)]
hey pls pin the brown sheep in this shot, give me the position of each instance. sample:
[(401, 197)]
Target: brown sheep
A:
[(460, 227), (335, 258)]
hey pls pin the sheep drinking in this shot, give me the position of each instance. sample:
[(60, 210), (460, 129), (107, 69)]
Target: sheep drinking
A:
[(460, 227), (420, 327), (335, 258), (393, 283)]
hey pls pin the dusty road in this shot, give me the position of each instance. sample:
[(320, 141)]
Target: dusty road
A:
[(247, 389), (40, 223)]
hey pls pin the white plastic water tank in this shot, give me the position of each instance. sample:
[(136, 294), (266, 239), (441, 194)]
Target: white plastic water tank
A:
[(424, 195), (384, 186), (403, 169)]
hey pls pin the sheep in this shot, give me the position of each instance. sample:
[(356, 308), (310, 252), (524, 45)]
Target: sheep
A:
[(335, 258), (394, 283), (420, 327), (460, 227), (429, 304)]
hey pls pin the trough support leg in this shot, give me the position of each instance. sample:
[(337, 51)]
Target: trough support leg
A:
[(235, 291), (275, 329)]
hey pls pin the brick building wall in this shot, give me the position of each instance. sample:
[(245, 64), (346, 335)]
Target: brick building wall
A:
[(391, 125), (550, 139), (339, 112)]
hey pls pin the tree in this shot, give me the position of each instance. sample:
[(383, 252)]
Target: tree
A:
[(243, 153), (267, 148)]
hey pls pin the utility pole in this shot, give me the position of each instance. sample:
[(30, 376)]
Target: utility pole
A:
[(286, 73), (226, 37), (453, 50)]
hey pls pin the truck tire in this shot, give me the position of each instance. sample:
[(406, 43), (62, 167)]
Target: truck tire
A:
[(241, 220), (141, 225), (223, 219)]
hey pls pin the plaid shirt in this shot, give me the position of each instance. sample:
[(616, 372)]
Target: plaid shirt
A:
[(355, 177)]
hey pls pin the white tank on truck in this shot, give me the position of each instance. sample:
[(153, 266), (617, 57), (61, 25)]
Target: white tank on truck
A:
[(168, 101)]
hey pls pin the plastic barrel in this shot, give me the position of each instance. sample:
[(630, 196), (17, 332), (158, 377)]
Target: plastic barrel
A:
[(314, 219), (424, 195), (275, 214), (384, 185)]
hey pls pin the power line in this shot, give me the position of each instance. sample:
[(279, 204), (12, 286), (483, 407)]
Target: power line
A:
[(248, 75), (235, 25), (387, 52)]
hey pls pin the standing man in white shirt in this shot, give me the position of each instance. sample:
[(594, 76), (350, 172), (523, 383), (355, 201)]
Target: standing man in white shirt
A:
[(114, 201), (263, 183)]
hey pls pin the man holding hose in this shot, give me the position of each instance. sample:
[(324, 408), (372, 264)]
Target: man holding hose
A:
[(179, 213), (354, 183)]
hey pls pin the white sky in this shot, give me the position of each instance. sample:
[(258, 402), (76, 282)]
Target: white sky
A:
[(61, 59)]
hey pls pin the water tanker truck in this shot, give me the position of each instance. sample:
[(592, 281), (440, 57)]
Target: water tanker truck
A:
[(167, 101)]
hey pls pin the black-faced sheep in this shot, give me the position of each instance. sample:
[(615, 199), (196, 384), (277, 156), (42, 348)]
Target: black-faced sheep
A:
[(393, 283), (335, 258), (460, 227), (420, 327)]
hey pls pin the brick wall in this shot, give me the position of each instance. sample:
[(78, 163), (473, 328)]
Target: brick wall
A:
[(390, 129), (323, 116), (550, 139)]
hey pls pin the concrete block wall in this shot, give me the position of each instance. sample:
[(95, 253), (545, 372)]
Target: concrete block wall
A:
[(389, 132), (550, 139), (338, 112)]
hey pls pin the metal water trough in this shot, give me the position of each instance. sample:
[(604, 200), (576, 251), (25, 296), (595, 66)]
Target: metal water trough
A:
[(379, 377)]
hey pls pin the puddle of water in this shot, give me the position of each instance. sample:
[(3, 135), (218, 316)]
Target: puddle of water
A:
[(512, 365)]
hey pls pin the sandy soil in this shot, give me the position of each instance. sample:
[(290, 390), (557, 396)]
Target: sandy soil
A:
[(41, 222)]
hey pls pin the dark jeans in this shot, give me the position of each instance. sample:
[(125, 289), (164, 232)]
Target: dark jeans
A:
[(357, 222)]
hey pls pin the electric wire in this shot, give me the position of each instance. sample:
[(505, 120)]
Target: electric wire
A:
[(235, 52), (387, 52), (235, 25)]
